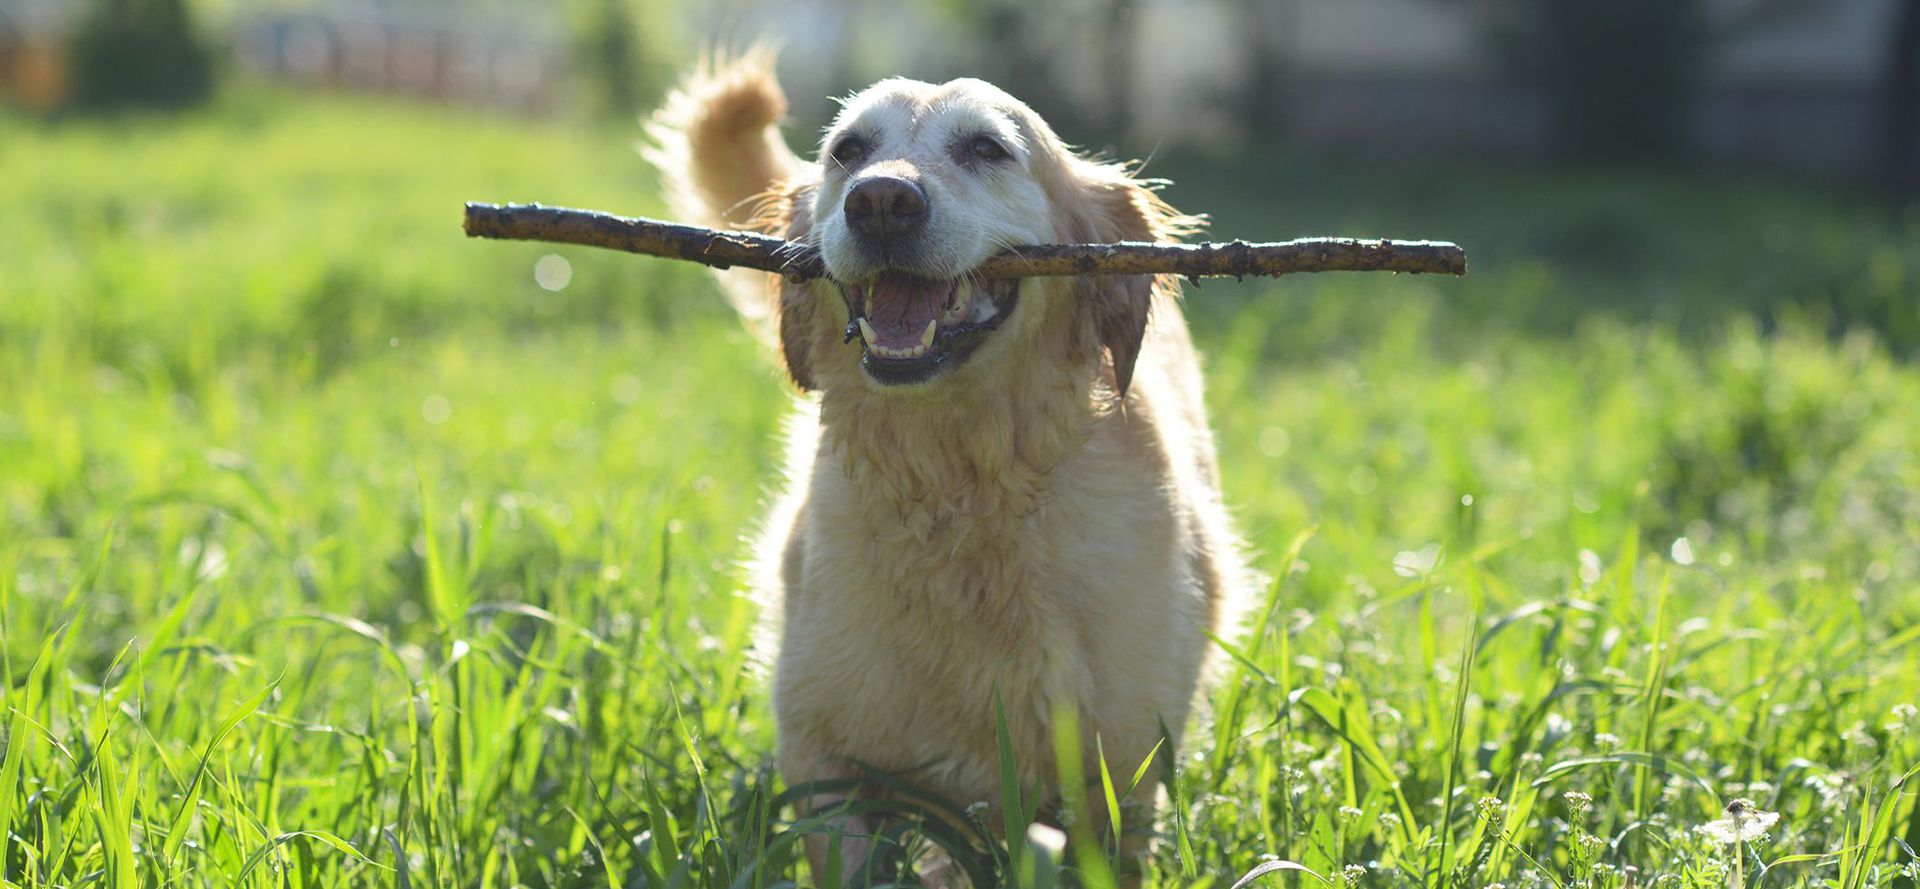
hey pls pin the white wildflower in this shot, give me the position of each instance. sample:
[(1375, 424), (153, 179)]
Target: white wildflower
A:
[(1417, 563), (1743, 824), (1833, 788), (1047, 838), (1858, 736), (1902, 719), (1492, 809), (1590, 568)]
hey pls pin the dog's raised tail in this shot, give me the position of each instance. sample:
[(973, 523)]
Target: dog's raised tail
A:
[(716, 140)]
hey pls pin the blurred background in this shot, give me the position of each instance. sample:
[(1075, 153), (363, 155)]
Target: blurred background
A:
[(222, 202), (1262, 104), (265, 409), (1821, 88), (214, 198)]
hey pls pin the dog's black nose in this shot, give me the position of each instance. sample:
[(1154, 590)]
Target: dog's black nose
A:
[(886, 207)]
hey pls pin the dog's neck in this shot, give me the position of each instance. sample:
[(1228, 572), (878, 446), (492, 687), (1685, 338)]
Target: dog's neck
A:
[(965, 470)]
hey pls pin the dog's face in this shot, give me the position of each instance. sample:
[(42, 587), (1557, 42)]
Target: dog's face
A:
[(927, 180), (917, 185)]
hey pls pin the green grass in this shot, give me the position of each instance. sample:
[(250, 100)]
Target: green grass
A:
[(333, 550)]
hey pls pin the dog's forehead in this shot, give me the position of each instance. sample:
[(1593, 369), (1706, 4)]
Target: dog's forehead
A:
[(914, 105)]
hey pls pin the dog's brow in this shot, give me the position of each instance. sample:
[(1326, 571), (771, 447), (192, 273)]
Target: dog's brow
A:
[(869, 121), (971, 119), (856, 130), (1013, 134)]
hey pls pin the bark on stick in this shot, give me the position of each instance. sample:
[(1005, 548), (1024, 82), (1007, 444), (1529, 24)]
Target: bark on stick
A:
[(800, 261)]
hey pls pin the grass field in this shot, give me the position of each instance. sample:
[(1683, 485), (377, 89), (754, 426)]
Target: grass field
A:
[(334, 550)]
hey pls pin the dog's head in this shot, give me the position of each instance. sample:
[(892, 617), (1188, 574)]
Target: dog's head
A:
[(916, 185)]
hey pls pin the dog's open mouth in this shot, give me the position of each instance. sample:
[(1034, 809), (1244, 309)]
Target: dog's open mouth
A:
[(912, 328)]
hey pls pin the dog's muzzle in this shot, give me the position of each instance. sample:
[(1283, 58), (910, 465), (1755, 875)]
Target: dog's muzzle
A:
[(912, 328)]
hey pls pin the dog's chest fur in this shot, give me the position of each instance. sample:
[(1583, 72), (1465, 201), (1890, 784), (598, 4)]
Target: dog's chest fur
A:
[(945, 556)]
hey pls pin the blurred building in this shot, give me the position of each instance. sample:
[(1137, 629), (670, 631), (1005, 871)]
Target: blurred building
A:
[(508, 56)]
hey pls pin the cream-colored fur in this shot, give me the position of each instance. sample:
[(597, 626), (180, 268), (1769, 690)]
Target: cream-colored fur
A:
[(1043, 522)]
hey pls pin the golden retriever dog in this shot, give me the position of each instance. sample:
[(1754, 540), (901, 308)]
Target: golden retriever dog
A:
[(997, 489)]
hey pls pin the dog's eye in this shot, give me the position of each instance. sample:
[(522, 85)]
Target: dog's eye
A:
[(849, 151), (987, 149)]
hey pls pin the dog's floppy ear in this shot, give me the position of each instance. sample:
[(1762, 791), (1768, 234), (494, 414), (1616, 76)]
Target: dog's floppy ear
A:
[(1108, 204), (796, 332), (789, 213)]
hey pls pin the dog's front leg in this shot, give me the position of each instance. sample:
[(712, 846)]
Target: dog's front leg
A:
[(843, 844), (843, 847)]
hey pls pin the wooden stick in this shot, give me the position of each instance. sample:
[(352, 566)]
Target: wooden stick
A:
[(800, 261)]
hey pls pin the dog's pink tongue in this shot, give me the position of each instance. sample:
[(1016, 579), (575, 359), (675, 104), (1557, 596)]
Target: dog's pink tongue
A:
[(902, 307)]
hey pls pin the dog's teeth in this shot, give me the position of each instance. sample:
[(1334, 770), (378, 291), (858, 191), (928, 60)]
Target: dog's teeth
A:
[(885, 352), (983, 310), (866, 333), (926, 336)]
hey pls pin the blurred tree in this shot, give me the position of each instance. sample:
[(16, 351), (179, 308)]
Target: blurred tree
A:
[(1901, 137), (1018, 45), (1117, 63), (130, 53), (1261, 24), (1621, 77), (626, 51), (1008, 26)]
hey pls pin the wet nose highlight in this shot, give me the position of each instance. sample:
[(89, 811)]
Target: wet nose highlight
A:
[(886, 207)]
